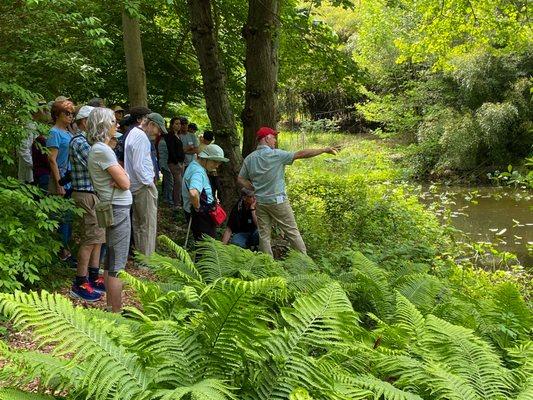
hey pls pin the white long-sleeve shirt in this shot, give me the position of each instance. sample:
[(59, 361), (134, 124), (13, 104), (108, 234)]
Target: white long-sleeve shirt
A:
[(137, 159)]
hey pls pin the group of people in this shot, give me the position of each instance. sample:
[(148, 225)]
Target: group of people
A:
[(95, 154)]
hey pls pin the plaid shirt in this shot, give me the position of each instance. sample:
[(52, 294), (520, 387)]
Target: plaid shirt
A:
[(79, 154)]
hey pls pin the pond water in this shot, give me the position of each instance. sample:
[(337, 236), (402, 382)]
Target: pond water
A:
[(502, 216)]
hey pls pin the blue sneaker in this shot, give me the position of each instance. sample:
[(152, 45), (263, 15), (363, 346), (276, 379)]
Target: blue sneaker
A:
[(98, 284), (85, 292)]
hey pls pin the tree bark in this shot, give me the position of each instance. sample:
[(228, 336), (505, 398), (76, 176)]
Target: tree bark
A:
[(131, 31), (261, 36), (216, 96)]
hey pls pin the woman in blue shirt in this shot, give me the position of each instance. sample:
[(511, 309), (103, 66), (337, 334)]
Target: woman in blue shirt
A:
[(58, 141), (197, 193)]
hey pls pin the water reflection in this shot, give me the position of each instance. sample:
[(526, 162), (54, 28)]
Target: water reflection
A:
[(501, 216)]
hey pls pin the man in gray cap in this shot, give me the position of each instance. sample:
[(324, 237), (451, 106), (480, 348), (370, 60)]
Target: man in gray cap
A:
[(139, 166)]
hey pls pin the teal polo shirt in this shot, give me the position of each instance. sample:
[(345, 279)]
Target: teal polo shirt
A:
[(265, 168)]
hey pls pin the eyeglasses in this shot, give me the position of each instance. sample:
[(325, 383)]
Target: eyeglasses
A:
[(68, 113)]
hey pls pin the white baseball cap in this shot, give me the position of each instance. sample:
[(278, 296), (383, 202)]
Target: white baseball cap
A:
[(84, 112)]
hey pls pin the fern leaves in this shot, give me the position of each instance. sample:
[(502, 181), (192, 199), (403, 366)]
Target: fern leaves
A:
[(109, 370)]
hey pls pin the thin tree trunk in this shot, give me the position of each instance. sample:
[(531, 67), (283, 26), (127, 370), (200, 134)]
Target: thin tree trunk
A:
[(134, 61), (216, 95), (261, 36)]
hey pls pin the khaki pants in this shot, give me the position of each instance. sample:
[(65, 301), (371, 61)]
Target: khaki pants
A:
[(281, 215), (144, 219)]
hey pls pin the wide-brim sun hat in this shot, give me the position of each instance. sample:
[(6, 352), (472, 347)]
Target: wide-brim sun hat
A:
[(213, 152)]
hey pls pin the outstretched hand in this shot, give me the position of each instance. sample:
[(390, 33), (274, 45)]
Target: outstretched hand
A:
[(333, 150)]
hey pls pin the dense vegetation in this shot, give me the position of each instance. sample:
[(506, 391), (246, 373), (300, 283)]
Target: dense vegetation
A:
[(240, 325), (387, 306)]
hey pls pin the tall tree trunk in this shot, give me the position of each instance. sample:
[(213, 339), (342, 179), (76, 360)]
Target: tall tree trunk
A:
[(216, 95), (261, 36), (131, 30)]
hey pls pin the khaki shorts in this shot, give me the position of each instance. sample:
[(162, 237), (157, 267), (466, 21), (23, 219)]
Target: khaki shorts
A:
[(91, 233)]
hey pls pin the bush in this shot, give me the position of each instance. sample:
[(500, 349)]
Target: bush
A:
[(28, 243), (349, 200)]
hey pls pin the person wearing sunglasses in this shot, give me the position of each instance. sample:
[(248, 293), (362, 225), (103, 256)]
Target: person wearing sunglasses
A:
[(62, 113)]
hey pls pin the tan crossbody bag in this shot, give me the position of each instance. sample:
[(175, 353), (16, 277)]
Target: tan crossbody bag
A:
[(104, 212)]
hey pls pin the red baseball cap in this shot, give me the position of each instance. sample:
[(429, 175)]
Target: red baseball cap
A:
[(264, 131)]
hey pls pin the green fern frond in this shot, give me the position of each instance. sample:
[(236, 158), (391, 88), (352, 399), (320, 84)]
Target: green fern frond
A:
[(300, 394), (147, 291), (208, 389), (384, 390), (421, 290), (182, 256), (16, 394), (255, 287), (219, 261), (526, 391), (321, 318), (298, 263), (466, 355), (506, 319), (235, 312), (172, 270), (409, 318), (177, 354), (373, 286), (26, 366), (109, 369), (307, 283), (318, 321)]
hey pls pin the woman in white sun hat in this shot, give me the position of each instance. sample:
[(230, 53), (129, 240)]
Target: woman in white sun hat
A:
[(197, 193)]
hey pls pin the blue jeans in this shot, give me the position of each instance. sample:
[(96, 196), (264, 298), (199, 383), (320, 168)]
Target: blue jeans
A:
[(42, 182), (65, 224), (245, 240)]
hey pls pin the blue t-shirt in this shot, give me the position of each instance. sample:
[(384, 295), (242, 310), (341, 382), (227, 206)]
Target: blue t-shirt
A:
[(60, 139), (195, 177), (265, 168)]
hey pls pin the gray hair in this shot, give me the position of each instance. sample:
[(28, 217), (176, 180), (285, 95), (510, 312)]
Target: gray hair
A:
[(99, 122)]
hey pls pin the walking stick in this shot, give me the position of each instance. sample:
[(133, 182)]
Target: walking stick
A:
[(188, 232)]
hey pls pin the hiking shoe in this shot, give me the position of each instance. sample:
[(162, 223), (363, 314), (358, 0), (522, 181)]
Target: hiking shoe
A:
[(98, 284), (85, 292)]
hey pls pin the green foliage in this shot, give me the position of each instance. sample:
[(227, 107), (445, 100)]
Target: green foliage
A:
[(349, 200), (28, 243), (223, 337)]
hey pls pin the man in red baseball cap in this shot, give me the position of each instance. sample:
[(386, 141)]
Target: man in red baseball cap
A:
[(264, 172)]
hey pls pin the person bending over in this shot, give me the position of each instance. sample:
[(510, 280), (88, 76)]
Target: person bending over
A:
[(242, 222)]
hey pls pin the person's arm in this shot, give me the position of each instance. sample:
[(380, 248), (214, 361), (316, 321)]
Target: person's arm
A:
[(252, 209), (309, 153), (54, 169), (120, 178), (245, 183), (194, 196), (140, 150), (226, 236)]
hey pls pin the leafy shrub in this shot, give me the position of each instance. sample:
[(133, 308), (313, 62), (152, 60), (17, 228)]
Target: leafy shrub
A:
[(213, 335), (336, 212), (28, 243), (319, 125)]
